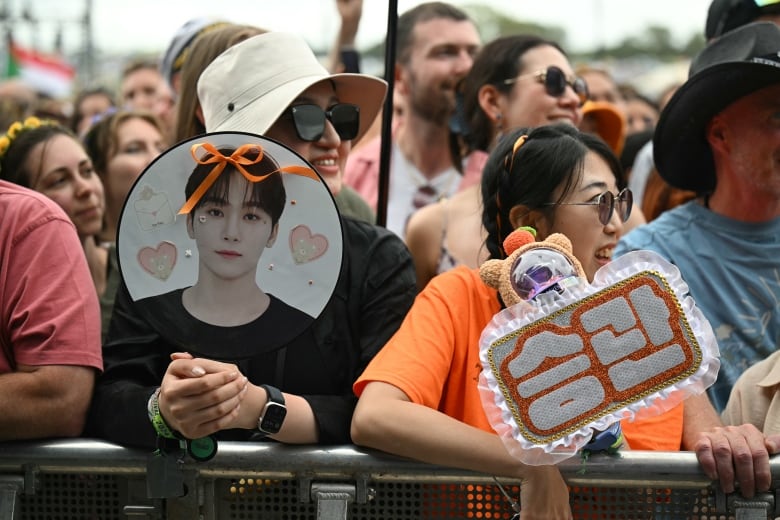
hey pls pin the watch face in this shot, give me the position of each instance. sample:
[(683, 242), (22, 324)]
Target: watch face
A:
[(273, 417)]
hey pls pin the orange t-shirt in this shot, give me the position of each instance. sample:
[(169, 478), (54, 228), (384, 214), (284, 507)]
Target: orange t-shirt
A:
[(434, 359)]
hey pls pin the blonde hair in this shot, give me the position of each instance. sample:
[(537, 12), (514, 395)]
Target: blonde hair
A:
[(203, 51)]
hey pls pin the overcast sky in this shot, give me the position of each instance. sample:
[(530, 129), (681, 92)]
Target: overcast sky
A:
[(130, 26)]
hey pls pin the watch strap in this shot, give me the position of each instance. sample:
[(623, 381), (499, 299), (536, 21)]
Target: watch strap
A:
[(275, 400), (274, 394)]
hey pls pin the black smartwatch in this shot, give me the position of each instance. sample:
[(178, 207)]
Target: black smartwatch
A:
[(274, 411)]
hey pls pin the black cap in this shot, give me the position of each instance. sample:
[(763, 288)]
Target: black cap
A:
[(725, 15)]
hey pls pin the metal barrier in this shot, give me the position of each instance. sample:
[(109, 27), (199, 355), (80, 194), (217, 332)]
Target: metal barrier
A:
[(87, 479)]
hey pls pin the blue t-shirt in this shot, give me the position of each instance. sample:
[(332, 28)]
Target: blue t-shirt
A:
[(732, 269)]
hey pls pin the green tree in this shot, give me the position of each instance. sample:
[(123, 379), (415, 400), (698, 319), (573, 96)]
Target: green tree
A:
[(655, 42), (493, 23)]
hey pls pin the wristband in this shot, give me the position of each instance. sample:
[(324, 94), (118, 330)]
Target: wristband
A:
[(201, 450), (159, 424)]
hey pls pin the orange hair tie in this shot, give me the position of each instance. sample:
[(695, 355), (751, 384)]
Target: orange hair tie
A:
[(518, 143)]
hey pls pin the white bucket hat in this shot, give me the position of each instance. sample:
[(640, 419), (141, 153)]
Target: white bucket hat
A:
[(247, 87)]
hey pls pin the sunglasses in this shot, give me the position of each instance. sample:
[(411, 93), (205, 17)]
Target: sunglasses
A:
[(555, 82), (309, 121), (607, 203), (425, 195)]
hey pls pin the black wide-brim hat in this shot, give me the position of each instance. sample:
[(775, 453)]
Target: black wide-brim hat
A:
[(738, 63)]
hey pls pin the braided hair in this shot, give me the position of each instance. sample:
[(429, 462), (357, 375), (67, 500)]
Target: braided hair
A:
[(550, 157)]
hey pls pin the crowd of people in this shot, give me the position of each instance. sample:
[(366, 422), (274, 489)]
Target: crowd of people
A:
[(486, 137)]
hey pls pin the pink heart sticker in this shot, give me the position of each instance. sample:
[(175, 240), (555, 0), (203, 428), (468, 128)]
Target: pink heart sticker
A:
[(306, 246), (158, 261)]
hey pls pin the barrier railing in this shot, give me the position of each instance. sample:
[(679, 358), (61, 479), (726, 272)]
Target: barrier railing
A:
[(88, 479)]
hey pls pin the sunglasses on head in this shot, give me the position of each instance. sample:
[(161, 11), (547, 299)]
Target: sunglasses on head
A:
[(555, 81), (607, 203), (309, 121)]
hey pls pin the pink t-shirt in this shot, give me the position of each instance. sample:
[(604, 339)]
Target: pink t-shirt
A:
[(49, 312)]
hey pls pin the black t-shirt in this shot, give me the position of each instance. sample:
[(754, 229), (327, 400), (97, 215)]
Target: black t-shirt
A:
[(279, 325)]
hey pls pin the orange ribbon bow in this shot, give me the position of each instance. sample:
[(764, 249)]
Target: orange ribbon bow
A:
[(238, 160)]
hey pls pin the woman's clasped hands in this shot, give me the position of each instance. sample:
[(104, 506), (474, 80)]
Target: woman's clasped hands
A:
[(199, 397)]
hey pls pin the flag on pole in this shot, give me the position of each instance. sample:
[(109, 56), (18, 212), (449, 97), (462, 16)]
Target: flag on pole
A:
[(47, 73)]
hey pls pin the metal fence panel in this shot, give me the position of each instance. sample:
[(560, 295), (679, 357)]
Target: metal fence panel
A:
[(90, 480)]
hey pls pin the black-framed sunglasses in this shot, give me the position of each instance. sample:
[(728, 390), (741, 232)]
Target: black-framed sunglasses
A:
[(555, 81), (309, 120), (607, 203)]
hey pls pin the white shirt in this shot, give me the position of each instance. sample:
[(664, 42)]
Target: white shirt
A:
[(405, 183)]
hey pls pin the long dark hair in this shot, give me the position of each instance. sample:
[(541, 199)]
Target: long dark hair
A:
[(498, 61), (13, 164), (551, 156)]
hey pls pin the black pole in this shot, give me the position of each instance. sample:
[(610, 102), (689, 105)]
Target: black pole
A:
[(387, 116)]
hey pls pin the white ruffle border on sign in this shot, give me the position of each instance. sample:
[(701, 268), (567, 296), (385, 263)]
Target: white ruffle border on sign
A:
[(511, 319)]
